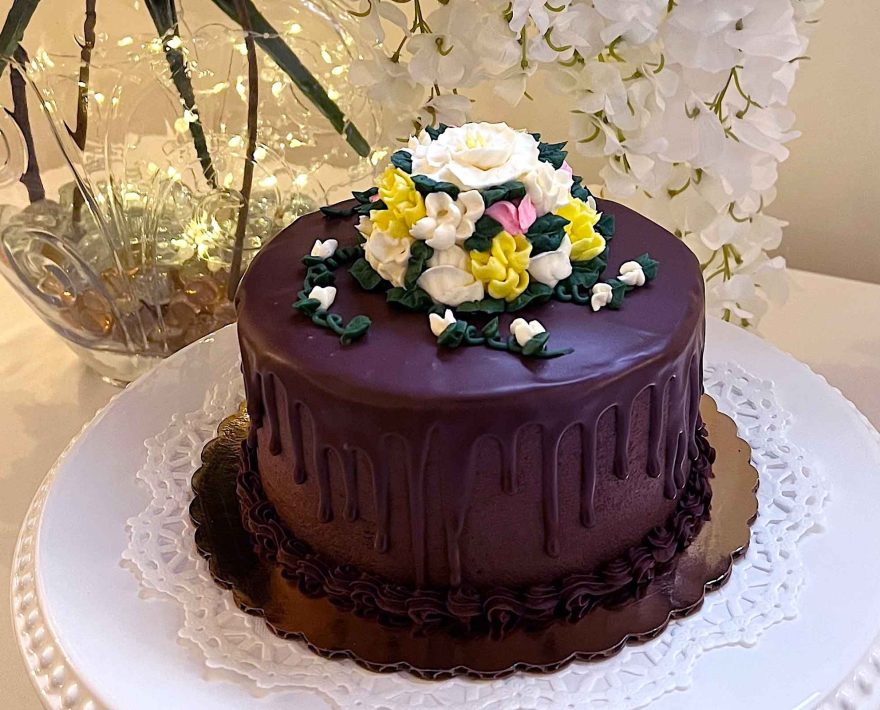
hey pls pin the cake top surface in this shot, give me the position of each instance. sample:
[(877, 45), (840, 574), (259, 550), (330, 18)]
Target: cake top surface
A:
[(398, 360)]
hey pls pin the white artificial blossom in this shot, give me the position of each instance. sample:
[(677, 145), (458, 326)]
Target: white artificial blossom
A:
[(684, 101)]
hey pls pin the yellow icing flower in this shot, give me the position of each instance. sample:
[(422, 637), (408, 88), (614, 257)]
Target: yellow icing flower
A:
[(503, 269), (405, 205), (586, 244)]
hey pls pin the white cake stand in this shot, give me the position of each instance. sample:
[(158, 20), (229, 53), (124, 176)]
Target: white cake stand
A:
[(90, 641)]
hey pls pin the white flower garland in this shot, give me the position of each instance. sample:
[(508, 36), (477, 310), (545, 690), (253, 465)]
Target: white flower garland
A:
[(685, 100)]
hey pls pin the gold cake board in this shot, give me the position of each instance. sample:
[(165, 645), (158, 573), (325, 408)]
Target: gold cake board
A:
[(259, 587)]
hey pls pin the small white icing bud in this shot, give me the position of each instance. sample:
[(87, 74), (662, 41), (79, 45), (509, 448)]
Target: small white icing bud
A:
[(325, 249), (632, 274), (440, 323), (524, 330), (325, 295), (601, 296)]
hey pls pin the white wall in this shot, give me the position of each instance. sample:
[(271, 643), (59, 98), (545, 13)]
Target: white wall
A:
[(829, 190)]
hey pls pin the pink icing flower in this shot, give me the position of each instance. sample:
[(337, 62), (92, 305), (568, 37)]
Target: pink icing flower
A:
[(515, 219), (566, 168)]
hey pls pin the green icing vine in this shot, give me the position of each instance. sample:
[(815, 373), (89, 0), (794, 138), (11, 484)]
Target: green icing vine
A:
[(319, 272), (460, 333)]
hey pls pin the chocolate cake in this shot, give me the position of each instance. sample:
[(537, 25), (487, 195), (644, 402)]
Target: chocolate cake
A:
[(410, 460)]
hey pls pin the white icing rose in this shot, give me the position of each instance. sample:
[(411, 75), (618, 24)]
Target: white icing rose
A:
[(523, 331), (476, 155), (632, 274), (324, 249), (448, 221), (450, 285), (387, 255), (325, 295), (552, 266), (440, 323), (601, 296), (548, 188)]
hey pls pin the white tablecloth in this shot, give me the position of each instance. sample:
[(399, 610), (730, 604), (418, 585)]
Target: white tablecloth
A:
[(46, 396)]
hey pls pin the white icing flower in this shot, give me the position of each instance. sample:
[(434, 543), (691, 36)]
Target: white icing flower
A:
[(387, 255), (448, 221), (601, 296), (524, 330), (421, 140), (552, 266), (632, 274), (325, 295), (440, 323), (448, 279), (453, 256), (477, 155), (324, 249), (547, 188), (450, 285)]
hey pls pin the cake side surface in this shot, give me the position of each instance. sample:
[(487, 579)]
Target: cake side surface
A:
[(436, 469)]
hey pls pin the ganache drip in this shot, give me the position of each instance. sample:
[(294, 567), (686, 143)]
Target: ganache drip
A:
[(461, 608)]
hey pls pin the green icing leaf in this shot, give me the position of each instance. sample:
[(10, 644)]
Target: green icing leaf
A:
[(513, 190), (605, 225), (535, 344), (552, 153), (365, 275), (318, 275), (310, 260), (487, 305), (420, 252), (546, 233), (306, 305), (356, 328), (535, 292), (413, 299), (426, 186), (584, 278), (649, 266), (490, 330), (345, 254), (337, 211), (402, 159), (578, 190), (454, 334), (485, 229), (435, 132), (364, 197), (618, 293), (368, 207)]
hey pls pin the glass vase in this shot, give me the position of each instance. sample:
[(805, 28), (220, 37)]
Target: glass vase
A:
[(126, 249)]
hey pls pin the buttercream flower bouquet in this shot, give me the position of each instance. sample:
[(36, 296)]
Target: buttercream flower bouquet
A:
[(479, 218)]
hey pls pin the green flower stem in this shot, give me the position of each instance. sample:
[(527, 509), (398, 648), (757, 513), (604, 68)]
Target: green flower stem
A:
[(17, 20), (272, 44), (247, 178), (320, 273), (31, 177), (82, 97), (164, 15)]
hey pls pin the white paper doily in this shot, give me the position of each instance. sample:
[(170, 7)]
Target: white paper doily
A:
[(762, 591)]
